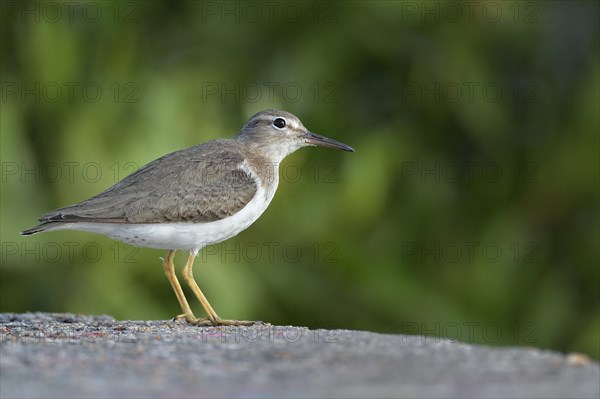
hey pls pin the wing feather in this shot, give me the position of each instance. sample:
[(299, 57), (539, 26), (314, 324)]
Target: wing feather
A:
[(198, 184)]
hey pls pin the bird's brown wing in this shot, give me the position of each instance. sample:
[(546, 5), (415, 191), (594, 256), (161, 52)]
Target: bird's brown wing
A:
[(199, 184)]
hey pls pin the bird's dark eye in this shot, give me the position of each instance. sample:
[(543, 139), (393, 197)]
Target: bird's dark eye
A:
[(279, 123)]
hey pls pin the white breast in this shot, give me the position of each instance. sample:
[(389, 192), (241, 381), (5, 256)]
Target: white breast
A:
[(187, 236)]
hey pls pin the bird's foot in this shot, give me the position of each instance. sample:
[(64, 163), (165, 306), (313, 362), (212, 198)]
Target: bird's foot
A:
[(190, 318), (222, 322), (207, 322)]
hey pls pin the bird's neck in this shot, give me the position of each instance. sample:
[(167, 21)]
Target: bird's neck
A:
[(265, 168), (273, 151)]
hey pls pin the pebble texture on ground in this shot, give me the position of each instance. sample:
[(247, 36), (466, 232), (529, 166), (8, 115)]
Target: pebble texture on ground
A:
[(67, 356)]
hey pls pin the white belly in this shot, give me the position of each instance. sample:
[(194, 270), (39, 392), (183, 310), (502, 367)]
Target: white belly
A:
[(182, 236)]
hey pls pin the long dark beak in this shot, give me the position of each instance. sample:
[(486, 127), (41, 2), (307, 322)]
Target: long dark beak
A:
[(322, 141)]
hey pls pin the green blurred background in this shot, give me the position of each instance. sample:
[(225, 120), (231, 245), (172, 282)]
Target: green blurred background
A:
[(470, 209)]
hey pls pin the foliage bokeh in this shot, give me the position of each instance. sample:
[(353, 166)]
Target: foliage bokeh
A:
[(470, 209)]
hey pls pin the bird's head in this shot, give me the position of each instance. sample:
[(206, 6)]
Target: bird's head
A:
[(280, 133)]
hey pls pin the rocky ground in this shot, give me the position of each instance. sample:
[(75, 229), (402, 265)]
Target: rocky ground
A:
[(68, 356)]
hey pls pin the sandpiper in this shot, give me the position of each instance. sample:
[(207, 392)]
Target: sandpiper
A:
[(194, 197)]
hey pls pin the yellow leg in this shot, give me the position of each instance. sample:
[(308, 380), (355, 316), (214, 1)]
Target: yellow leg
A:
[(212, 315), (169, 269)]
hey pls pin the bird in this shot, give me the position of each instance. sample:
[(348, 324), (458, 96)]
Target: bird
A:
[(194, 197)]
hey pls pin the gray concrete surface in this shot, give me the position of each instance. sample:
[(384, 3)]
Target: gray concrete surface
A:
[(68, 356)]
